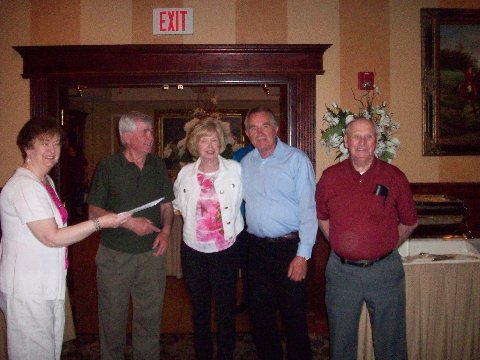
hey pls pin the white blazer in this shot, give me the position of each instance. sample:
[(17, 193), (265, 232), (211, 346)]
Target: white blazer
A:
[(28, 268), (228, 187)]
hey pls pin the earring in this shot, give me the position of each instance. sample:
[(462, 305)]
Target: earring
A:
[(28, 159)]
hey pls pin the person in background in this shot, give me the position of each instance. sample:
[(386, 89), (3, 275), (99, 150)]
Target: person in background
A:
[(365, 210), (208, 194), (74, 165), (130, 261), (33, 250), (242, 240), (279, 184)]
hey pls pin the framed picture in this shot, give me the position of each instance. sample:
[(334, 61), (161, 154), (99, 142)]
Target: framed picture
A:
[(235, 119), (170, 127), (451, 81)]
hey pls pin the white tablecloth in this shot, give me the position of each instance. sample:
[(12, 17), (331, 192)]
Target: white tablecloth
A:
[(443, 312)]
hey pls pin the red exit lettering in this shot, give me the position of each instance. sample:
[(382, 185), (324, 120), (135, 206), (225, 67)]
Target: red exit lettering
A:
[(172, 20)]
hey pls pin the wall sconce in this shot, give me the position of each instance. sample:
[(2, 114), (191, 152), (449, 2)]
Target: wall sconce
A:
[(166, 86), (179, 87), (266, 89)]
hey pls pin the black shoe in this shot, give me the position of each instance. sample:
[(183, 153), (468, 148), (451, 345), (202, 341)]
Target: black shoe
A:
[(242, 307)]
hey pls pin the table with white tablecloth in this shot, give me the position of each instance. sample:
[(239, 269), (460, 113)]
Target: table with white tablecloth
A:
[(443, 311)]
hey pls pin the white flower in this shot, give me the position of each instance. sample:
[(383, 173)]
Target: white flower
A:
[(344, 151), (349, 119), (380, 149), (335, 141), (337, 119), (394, 141), (364, 113)]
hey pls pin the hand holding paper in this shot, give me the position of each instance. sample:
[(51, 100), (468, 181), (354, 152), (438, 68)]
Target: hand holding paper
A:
[(144, 206)]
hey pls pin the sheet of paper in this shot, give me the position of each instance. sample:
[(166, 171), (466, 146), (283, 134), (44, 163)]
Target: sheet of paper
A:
[(145, 206)]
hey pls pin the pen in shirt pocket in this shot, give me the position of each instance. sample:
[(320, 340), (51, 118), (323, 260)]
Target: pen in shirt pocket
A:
[(381, 190)]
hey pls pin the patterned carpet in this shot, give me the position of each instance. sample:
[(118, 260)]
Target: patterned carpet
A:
[(179, 346)]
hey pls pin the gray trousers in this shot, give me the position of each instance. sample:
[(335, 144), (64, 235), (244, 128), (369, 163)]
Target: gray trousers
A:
[(119, 277), (382, 287)]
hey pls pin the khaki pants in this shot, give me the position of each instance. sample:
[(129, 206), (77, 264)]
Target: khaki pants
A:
[(119, 277)]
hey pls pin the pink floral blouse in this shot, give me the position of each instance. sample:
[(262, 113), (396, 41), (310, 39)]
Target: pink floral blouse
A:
[(209, 227)]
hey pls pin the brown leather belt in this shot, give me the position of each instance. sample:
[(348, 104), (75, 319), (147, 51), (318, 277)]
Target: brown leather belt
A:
[(291, 236), (362, 263)]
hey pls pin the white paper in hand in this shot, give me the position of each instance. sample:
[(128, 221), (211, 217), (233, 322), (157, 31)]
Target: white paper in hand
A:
[(143, 207)]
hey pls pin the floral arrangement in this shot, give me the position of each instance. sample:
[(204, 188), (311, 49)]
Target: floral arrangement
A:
[(176, 154), (337, 119)]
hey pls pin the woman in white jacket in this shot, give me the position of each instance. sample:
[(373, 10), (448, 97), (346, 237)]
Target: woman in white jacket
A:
[(208, 194)]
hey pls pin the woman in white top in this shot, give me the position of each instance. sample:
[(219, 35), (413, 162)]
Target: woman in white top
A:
[(208, 194), (33, 250)]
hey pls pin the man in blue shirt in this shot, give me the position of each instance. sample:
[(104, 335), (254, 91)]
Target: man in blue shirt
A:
[(279, 192)]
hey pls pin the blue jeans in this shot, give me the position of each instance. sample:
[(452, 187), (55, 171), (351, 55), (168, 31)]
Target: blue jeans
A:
[(382, 287)]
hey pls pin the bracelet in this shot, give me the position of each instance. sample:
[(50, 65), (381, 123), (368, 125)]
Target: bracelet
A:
[(97, 225)]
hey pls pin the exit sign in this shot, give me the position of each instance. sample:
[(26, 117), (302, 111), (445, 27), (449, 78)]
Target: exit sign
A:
[(173, 21)]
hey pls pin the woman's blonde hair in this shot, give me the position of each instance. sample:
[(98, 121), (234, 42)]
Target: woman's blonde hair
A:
[(205, 127)]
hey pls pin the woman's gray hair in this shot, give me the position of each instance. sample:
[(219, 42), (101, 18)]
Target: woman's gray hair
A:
[(261, 109), (126, 124), (205, 127)]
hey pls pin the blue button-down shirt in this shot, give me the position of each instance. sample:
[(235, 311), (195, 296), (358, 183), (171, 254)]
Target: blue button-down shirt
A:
[(279, 192)]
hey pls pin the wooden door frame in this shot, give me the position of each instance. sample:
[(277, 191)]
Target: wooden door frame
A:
[(52, 70)]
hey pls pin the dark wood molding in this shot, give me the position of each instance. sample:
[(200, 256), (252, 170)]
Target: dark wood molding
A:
[(176, 59), (54, 69)]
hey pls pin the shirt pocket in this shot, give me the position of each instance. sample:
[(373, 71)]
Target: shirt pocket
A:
[(379, 207)]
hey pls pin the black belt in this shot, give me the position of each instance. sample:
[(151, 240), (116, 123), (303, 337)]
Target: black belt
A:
[(362, 263), (291, 236)]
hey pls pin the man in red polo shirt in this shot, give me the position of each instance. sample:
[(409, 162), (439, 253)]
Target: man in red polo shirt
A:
[(365, 210)]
